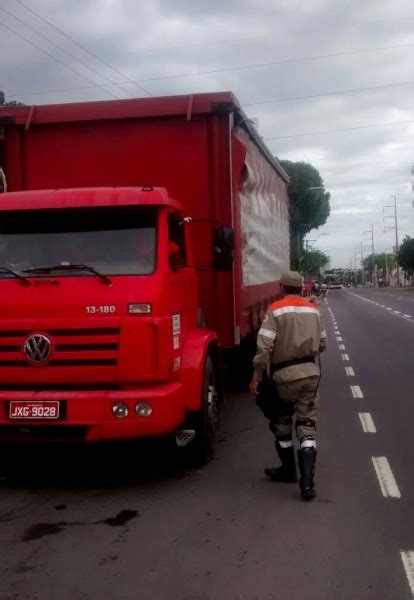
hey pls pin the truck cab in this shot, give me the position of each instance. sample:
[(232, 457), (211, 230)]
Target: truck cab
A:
[(100, 330)]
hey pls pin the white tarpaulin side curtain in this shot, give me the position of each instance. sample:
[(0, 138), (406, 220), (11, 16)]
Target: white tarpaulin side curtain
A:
[(264, 219)]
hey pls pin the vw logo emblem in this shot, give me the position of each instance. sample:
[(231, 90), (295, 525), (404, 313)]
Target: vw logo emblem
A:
[(37, 348)]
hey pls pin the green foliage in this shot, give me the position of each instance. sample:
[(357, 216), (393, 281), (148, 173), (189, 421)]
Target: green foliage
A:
[(309, 209), (312, 261), (382, 261), (406, 255)]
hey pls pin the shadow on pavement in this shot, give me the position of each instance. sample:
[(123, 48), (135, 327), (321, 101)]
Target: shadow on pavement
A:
[(115, 464)]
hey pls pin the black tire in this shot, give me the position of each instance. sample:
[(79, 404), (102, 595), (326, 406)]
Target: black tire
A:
[(206, 421), (239, 366)]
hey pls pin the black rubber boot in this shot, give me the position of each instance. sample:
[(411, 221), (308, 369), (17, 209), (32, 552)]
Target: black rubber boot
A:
[(307, 460), (287, 472)]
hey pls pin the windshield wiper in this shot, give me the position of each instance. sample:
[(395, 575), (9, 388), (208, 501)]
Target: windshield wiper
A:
[(69, 267), (21, 278)]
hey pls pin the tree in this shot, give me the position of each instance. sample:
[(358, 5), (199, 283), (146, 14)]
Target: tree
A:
[(309, 209), (406, 255), (382, 262), (11, 103), (312, 261)]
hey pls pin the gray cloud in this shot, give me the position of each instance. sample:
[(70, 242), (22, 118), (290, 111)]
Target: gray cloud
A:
[(160, 38)]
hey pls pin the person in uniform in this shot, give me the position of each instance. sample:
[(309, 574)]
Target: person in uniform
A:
[(290, 338)]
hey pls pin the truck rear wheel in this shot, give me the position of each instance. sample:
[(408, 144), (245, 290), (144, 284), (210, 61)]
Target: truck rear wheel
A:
[(206, 421)]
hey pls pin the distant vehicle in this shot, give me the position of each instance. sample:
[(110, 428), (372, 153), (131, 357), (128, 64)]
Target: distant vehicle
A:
[(335, 286)]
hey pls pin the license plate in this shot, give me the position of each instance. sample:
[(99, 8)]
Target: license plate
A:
[(34, 410)]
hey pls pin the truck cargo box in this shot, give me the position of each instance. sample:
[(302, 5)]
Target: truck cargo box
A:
[(203, 149)]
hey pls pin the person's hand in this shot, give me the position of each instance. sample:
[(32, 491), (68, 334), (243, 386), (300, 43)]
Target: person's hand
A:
[(254, 386)]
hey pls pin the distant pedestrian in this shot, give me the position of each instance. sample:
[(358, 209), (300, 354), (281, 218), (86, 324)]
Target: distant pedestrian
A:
[(316, 288), (291, 336)]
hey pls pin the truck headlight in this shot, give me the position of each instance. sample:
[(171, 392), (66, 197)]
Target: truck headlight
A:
[(143, 409), (120, 410)]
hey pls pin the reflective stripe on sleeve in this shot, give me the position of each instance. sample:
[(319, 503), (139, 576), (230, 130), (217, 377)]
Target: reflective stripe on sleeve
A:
[(295, 309), (267, 333), (308, 444), (288, 444)]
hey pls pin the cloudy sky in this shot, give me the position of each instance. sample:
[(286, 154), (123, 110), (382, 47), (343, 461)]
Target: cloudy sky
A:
[(325, 50)]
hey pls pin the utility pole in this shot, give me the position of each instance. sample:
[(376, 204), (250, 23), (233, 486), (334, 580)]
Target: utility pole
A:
[(362, 263), (300, 258), (308, 247), (359, 254), (353, 270), (394, 216), (356, 269), (305, 267), (412, 185), (370, 232), (360, 250), (386, 268)]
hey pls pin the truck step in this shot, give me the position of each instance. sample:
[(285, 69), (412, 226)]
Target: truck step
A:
[(184, 437)]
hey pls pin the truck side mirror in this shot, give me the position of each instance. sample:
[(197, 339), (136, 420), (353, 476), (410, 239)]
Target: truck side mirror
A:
[(223, 248)]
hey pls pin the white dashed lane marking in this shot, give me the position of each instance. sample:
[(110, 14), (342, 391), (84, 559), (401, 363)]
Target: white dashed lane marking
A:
[(339, 339), (367, 423), (356, 391), (391, 310), (345, 356), (350, 371), (388, 484), (386, 478), (407, 556)]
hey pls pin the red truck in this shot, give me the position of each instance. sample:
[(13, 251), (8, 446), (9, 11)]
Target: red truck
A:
[(140, 241)]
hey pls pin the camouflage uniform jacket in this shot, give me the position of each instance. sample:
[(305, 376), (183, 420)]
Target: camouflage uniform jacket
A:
[(291, 329)]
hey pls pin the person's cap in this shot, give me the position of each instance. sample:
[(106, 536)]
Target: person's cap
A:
[(291, 279)]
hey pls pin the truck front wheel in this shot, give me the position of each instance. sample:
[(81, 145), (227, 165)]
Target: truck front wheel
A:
[(205, 422)]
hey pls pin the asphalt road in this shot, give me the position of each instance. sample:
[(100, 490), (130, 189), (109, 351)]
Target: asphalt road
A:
[(132, 523)]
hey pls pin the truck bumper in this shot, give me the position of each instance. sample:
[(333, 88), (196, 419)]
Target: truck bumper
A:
[(88, 416)]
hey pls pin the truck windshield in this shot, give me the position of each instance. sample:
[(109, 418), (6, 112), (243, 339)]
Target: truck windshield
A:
[(111, 240)]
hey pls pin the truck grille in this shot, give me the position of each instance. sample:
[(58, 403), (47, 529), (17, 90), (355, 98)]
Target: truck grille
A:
[(71, 347)]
